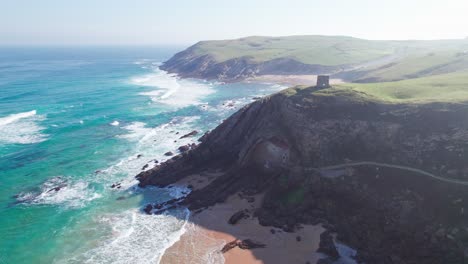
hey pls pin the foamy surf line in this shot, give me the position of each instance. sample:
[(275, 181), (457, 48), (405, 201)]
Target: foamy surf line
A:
[(134, 237), (22, 128), (172, 90)]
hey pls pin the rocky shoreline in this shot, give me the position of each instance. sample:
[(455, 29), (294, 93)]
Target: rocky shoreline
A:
[(387, 215)]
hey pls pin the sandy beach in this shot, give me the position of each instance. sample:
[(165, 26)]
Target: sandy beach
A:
[(208, 232), (290, 80)]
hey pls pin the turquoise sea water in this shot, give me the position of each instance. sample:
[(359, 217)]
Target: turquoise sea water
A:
[(77, 119)]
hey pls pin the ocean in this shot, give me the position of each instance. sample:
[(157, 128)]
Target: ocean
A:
[(74, 121)]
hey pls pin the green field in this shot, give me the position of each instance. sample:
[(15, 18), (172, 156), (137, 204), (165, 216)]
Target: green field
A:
[(451, 87), (419, 65), (445, 88), (323, 50), (332, 50)]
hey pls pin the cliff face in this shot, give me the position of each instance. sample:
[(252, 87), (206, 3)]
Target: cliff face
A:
[(190, 65), (281, 145)]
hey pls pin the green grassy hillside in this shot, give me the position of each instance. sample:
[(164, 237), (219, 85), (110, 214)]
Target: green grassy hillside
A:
[(323, 50), (419, 65), (451, 87)]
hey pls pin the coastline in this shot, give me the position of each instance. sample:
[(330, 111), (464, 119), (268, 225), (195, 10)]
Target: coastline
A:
[(208, 231)]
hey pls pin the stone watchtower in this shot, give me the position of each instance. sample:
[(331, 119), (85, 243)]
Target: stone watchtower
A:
[(323, 81)]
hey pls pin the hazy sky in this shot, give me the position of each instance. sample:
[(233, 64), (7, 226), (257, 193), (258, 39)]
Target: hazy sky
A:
[(184, 22)]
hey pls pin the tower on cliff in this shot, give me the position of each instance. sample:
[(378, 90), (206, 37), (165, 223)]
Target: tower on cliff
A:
[(323, 81)]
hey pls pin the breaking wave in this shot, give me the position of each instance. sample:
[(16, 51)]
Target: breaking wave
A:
[(172, 90), (22, 128)]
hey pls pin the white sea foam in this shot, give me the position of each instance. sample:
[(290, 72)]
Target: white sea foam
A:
[(172, 90), (22, 128), (115, 123), (150, 144), (61, 191), (135, 237)]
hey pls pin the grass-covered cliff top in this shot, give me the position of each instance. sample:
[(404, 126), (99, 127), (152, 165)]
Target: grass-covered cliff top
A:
[(446, 88), (322, 50)]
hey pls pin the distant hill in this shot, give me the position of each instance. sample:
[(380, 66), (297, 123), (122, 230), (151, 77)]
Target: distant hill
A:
[(349, 58)]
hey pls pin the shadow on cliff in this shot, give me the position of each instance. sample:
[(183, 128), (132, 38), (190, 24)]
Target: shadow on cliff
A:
[(388, 215)]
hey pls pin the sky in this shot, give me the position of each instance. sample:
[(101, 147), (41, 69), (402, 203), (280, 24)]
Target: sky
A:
[(150, 22)]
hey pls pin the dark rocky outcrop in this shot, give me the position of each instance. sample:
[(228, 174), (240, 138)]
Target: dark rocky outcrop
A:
[(242, 244), (327, 246), (237, 217), (275, 145), (189, 64), (191, 134)]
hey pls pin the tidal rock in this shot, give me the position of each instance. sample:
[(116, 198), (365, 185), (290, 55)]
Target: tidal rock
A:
[(184, 148), (116, 185), (56, 188), (145, 167), (148, 208), (169, 153), (229, 246), (191, 134)]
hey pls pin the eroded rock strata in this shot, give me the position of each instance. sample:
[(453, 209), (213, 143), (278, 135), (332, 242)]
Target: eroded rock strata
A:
[(390, 215)]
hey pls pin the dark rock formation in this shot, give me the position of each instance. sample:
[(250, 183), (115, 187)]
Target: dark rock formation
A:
[(244, 244), (275, 146), (191, 134), (229, 246), (184, 148), (327, 246), (191, 65), (250, 244), (237, 217), (169, 153)]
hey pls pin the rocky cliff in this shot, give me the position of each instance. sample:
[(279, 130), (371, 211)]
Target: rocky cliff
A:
[(188, 64), (283, 146)]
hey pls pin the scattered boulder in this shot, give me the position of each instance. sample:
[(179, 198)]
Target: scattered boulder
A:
[(237, 217), (148, 208), (184, 148), (145, 167), (116, 185), (193, 133), (139, 156), (169, 153)]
